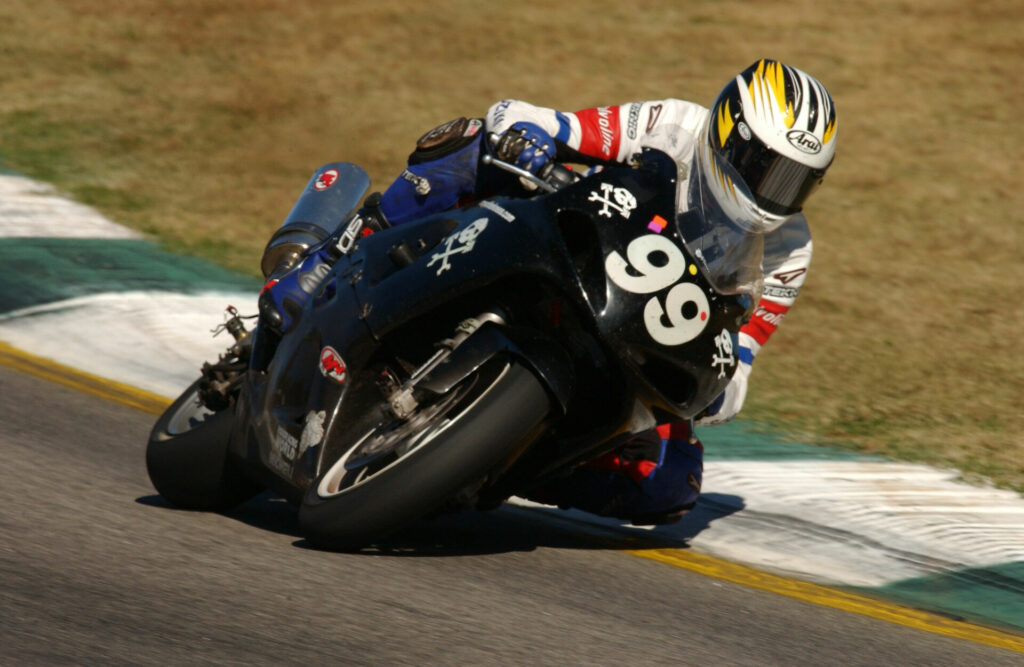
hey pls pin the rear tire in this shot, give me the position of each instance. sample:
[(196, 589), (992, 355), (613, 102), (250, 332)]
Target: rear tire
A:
[(187, 457), (346, 509)]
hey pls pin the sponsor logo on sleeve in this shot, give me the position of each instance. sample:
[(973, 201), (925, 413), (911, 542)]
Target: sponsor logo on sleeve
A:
[(652, 116), (600, 132), (780, 292), (769, 317), (497, 118), (634, 118), (604, 123), (786, 277)]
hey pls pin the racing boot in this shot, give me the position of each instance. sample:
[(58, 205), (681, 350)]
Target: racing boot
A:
[(287, 289), (653, 479)]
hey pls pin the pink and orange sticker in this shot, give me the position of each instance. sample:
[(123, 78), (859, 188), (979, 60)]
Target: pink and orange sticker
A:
[(657, 224)]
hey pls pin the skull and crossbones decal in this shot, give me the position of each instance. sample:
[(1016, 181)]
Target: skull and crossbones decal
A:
[(613, 198), (459, 243)]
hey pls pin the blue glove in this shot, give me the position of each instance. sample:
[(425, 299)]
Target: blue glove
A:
[(527, 146), (281, 299)]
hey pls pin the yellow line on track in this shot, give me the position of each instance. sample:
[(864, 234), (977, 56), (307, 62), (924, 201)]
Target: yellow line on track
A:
[(81, 381), (687, 560), (831, 597)]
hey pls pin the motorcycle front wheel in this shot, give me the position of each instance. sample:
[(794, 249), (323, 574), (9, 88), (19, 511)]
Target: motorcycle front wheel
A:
[(186, 457), (397, 472)]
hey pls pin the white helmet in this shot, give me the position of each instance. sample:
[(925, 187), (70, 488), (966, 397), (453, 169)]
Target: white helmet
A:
[(776, 126)]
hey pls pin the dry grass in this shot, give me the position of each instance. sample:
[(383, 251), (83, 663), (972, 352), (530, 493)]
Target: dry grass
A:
[(198, 122)]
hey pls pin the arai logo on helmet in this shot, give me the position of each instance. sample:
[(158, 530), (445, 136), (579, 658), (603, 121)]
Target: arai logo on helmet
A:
[(804, 141), (331, 364), (326, 179)]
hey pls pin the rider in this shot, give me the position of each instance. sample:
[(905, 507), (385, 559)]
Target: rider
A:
[(775, 124)]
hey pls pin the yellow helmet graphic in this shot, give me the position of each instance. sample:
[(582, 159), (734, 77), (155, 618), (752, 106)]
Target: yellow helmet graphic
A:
[(776, 125)]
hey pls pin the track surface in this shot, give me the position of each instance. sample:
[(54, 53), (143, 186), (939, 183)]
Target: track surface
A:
[(95, 568)]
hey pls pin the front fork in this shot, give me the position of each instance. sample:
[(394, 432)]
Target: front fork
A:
[(402, 402), (218, 386)]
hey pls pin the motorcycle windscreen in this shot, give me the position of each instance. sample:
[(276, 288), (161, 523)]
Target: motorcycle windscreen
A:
[(719, 224)]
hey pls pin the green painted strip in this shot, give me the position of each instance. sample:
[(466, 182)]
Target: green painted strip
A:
[(993, 594), (749, 441), (35, 271)]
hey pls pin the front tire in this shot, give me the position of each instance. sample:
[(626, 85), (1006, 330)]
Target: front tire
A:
[(187, 457), (353, 504)]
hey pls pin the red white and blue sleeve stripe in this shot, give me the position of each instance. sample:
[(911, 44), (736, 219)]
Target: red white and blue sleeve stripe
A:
[(602, 134)]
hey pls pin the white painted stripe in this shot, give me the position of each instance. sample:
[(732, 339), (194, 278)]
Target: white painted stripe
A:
[(861, 523), (156, 341), (32, 209)]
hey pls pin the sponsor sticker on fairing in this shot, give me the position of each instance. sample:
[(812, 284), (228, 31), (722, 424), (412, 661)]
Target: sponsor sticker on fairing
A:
[(501, 211), (616, 199), (331, 365), (312, 430), (724, 353), (458, 243), (326, 179), (657, 224), (352, 232)]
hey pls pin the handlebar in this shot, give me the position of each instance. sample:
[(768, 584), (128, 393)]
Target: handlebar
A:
[(555, 177)]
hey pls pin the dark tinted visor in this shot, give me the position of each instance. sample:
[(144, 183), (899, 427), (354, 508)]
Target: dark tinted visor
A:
[(779, 185)]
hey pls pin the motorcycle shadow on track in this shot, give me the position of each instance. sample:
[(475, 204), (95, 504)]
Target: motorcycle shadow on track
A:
[(510, 528)]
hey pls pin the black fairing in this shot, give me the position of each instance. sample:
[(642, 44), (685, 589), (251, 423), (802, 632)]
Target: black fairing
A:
[(500, 254)]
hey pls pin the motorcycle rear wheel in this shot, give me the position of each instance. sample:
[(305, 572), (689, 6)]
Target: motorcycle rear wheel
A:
[(352, 504), (186, 457)]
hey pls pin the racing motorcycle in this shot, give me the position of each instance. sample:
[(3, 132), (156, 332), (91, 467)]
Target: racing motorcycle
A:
[(455, 361)]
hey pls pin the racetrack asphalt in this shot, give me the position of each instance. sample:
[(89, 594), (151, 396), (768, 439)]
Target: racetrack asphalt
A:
[(96, 568)]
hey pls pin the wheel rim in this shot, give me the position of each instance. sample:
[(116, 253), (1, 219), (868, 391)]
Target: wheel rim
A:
[(189, 415), (388, 443)]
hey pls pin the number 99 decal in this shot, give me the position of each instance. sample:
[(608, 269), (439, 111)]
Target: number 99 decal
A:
[(686, 305)]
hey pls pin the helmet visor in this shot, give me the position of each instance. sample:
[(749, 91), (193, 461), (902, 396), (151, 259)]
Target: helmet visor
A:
[(780, 185)]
